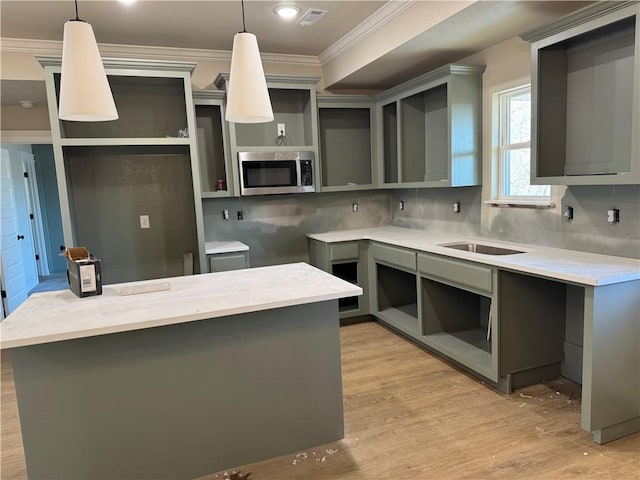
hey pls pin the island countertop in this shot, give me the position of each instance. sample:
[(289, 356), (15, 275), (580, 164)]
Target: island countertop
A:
[(60, 315), (567, 265)]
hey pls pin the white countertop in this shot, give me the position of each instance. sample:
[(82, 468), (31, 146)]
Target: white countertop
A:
[(55, 316), (567, 265), (212, 248)]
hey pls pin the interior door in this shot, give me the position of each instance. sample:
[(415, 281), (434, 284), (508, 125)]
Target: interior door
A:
[(13, 273), (35, 213)]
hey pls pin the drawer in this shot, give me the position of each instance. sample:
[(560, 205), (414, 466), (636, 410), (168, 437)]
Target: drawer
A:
[(471, 275), (343, 251), (227, 261), (394, 256)]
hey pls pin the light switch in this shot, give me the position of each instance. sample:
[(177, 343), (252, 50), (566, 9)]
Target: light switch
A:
[(144, 221)]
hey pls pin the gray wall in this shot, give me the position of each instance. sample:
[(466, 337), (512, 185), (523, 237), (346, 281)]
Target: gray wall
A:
[(111, 188), (50, 206), (275, 226)]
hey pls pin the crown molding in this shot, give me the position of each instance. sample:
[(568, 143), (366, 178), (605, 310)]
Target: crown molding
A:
[(25, 136), (377, 20), (54, 48)]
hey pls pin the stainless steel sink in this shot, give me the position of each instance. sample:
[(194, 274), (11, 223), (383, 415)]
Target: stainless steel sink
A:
[(480, 248)]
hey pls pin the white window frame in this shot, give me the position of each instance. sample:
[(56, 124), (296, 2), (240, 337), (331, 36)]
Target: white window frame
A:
[(501, 123)]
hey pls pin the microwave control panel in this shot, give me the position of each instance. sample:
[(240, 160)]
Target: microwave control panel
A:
[(306, 173)]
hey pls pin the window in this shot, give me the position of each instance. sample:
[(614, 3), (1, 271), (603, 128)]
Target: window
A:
[(514, 149)]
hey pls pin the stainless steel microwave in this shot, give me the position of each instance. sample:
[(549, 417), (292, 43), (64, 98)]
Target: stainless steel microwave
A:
[(264, 173)]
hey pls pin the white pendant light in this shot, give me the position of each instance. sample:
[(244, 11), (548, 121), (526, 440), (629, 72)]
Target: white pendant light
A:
[(85, 95), (247, 94)]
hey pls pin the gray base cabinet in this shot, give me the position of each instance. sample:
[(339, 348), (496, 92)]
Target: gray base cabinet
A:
[(394, 295), (348, 261), (222, 262), (512, 329)]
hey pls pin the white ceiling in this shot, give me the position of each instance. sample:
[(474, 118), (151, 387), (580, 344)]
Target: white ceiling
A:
[(210, 25)]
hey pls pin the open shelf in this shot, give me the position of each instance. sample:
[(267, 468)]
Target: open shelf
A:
[(345, 146), (347, 271), (290, 107), (455, 323), (585, 128), (424, 116), (211, 148), (148, 107), (397, 298)]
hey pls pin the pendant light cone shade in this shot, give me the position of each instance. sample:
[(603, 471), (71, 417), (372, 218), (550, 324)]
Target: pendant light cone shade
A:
[(247, 95), (85, 95)]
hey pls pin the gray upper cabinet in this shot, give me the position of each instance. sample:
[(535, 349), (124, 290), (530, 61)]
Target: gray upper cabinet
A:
[(293, 100), (345, 124), (212, 138), (586, 98), (430, 128), (112, 176)]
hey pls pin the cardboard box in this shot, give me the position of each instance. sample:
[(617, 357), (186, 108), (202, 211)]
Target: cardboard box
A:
[(84, 272)]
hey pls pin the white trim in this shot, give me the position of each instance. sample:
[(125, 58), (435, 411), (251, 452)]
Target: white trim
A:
[(521, 203), (379, 18), (26, 136)]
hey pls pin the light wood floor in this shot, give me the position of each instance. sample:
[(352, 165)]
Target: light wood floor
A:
[(408, 415)]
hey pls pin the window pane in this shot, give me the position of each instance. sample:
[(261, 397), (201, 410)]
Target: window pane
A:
[(519, 127), (516, 175)]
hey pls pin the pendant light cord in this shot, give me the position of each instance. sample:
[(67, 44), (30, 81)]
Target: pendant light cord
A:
[(244, 28), (77, 19)]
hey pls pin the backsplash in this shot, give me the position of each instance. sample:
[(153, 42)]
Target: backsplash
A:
[(589, 231), (275, 226), (432, 209)]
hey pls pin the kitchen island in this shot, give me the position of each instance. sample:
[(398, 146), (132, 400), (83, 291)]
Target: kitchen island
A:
[(207, 372)]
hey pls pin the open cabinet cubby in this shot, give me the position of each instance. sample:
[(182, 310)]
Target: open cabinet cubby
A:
[(347, 271), (148, 107), (455, 322), (397, 298), (586, 99), (293, 108)]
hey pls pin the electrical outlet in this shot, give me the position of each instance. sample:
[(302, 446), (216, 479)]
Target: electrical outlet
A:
[(144, 221), (240, 215), (613, 215), (281, 129), (456, 207), (568, 213), (225, 214), (354, 207), (401, 205)]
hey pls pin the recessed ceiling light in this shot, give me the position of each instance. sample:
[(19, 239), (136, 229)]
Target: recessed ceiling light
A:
[(128, 2), (286, 11)]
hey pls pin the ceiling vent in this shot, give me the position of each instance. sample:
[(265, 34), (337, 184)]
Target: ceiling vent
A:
[(310, 17)]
